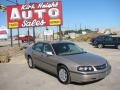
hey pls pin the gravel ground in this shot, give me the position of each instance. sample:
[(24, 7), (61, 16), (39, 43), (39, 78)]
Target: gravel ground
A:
[(17, 76)]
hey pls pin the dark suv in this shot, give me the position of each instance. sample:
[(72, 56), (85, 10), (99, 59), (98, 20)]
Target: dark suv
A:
[(106, 40)]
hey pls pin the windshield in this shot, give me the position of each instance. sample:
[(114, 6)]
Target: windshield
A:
[(67, 49)]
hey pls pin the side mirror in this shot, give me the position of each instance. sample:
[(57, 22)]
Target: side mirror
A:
[(37, 49), (49, 53)]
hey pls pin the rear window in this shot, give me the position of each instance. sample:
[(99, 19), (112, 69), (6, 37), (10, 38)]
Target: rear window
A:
[(119, 39)]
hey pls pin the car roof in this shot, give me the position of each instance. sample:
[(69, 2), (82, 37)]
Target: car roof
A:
[(56, 42), (103, 35)]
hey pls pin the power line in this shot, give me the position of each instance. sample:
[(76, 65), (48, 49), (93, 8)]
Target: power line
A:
[(12, 1), (26, 1)]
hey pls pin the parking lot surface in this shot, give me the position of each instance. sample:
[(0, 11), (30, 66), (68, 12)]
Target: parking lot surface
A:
[(16, 75)]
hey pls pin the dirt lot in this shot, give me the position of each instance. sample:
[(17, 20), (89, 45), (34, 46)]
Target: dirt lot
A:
[(17, 76)]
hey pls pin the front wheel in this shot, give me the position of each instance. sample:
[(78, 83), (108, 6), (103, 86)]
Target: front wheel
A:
[(63, 75), (30, 62)]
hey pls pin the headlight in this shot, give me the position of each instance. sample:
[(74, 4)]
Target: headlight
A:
[(85, 68)]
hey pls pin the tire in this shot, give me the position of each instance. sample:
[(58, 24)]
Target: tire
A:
[(100, 45), (118, 47), (63, 74), (30, 62)]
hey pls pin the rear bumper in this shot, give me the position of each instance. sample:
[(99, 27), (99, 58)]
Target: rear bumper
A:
[(78, 77)]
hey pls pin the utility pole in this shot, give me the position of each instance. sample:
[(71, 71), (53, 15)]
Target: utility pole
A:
[(18, 30), (18, 37), (11, 29), (11, 37), (60, 33), (80, 30), (28, 36), (75, 27), (46, 36), (53, 34), (80, 27), (34, 34), (28, 29)]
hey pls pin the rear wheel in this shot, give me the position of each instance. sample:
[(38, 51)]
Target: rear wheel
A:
[(63, 74), (100, 45), (30, 62)]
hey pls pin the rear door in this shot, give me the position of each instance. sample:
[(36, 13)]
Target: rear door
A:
[(118, 40), (109, 41)]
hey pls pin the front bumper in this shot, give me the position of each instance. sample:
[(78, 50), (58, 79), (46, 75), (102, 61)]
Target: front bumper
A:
[(78, 77)]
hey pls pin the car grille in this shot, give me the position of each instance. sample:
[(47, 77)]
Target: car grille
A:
[(100, 67)]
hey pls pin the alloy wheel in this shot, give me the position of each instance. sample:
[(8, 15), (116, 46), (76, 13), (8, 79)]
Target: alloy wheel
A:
[(30, 62), (63, 75)]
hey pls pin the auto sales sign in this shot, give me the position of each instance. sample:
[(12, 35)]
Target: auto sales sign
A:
[(35, 14)]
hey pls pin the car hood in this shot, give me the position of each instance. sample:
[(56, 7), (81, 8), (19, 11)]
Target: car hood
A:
[(86, 59)]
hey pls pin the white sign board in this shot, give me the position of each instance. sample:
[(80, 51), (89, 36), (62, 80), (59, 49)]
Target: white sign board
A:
[(48, 32), (84, 32)]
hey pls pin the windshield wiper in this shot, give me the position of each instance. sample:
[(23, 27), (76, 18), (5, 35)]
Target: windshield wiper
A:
[(72, 53), (80, 52)]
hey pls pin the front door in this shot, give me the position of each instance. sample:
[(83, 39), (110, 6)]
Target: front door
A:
[(49, 61)]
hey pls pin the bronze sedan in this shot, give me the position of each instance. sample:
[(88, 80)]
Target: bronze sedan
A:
[(67, 61)]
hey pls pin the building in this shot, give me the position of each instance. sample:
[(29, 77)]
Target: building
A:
[(3, 33)]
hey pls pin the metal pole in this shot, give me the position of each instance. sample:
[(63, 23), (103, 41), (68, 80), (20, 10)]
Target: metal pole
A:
[(46, 35), (53, 35), (43, 36), (80, 27), (28, 27), (28, 36), (11, 29), (18, 37), (60, 33), (34, 34), (11, 38), (18, 29)]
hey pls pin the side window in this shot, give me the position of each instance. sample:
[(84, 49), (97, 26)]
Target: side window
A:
[(118, 39), (99, 38), (109, 39), (38, 47), (47, 48)]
